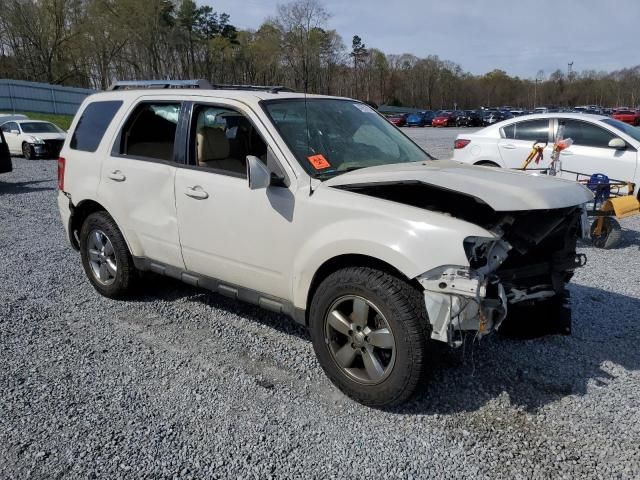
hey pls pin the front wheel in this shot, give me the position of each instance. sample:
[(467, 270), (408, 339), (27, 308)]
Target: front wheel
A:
[(27, 151), (105, 256), (609, 235), (369, 331)]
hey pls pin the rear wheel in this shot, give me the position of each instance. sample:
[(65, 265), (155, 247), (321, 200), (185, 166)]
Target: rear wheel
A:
[(105, 256), (27, 151), (369, 331), (610, 233)]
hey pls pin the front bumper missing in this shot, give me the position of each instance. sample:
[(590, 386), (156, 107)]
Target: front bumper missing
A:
[(461, 299)]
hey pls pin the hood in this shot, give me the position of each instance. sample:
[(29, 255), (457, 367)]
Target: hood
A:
[(47, 136), (502, 190)]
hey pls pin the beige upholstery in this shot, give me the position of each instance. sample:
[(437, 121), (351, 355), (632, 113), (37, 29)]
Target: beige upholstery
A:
[(212, 149)]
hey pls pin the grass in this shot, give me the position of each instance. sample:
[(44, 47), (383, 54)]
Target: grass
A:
[(63, 121)]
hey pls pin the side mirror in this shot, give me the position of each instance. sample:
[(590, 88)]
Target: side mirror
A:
[(15, 132), (258, 174), (617, 143)]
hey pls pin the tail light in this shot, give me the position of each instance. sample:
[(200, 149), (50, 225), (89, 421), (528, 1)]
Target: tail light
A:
[(461, 143), (61, 163)]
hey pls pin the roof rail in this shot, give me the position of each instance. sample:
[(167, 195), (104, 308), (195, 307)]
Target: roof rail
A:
[(254, 88), (140, 84)]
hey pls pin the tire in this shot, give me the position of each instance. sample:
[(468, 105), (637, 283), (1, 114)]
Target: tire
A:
[(27, 151), (610, 236), (105, 256), (390, 303)]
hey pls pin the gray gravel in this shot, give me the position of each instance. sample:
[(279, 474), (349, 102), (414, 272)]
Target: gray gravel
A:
[(182, 383)]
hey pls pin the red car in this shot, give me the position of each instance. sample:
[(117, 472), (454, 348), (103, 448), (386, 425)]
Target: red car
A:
[(631, 117), (444, 120), (399, 120)]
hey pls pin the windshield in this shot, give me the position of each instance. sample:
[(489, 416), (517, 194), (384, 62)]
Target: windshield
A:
[(39, 127), (633, 132), (331, 136)]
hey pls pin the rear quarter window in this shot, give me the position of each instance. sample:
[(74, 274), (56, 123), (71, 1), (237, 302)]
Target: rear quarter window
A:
[(94, 121)]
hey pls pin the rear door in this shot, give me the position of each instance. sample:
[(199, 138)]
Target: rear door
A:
[(518, 138), (590, 152), (5, 157), (137, 180)]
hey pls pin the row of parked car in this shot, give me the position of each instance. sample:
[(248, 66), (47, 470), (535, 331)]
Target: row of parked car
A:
[(449, 118), (486, 117), (31, 138)]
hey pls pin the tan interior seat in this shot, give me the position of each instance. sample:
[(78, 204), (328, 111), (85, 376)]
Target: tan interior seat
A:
[(212, 150)]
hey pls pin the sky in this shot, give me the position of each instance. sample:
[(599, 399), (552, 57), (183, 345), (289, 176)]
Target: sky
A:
[(518, 36)]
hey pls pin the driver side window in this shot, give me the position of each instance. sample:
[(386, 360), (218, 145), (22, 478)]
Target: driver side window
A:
[(221, 139)]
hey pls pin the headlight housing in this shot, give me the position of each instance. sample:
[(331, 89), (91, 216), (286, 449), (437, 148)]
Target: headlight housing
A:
[(36, 141)]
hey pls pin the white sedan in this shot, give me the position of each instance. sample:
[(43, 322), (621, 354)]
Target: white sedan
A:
[(33, 138), (600, 144)]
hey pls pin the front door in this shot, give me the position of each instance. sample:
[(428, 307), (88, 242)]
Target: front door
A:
[(590, 152), (228, 231), (137, 182)]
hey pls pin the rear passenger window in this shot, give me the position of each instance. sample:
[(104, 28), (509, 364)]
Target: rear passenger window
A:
[(92, 124), (530, 130), (150, 131)]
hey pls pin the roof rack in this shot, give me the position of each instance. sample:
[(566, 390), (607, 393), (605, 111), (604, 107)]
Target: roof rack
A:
[(200, 84), (140, 84), (254, 88)]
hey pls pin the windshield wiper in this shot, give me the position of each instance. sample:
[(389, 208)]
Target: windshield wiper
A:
[(334, 173)]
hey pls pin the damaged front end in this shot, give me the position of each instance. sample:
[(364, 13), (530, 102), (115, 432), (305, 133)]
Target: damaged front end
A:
[(518, 274), (527, 265), (461, 298)]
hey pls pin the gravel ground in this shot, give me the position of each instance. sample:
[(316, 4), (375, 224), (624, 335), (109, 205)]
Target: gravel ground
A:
[(182, 383)]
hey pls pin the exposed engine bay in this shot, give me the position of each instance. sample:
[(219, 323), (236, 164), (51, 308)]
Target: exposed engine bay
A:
[(528, 264)]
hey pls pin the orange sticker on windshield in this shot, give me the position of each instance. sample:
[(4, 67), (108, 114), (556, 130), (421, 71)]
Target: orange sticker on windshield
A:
[(318, 162)]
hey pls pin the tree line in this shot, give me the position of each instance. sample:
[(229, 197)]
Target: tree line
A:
[(91, 43)]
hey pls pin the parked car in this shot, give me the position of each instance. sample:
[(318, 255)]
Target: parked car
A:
[(469, 118), (491, 117), (5, 117), (632, 117), (318, 208), (444, 119), (600, 144), (5, 156), (420, 119), (33, 138), (399, 120)]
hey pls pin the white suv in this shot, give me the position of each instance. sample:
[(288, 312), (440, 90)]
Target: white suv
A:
[(318, 208)]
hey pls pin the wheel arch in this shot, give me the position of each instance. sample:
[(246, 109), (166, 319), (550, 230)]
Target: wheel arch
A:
[(79, 214), (339, 262), (487, 163)]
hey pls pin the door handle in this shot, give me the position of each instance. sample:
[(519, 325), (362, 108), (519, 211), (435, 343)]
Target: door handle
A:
[(566, 152), (509, 146), (117, 176), (196, 192)]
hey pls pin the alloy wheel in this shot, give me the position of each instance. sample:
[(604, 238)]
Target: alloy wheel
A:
[(102, 257), (360, 340)]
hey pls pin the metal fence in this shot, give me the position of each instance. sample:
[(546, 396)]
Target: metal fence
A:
[(21, 96)]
